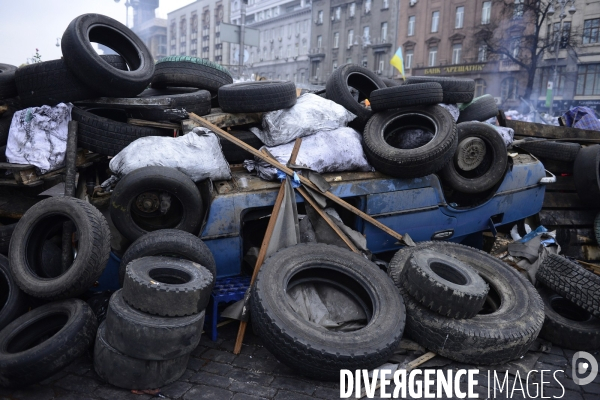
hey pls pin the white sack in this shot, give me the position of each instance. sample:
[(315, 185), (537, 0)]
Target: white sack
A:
[(38, 136), (197, 154), (309, 115)]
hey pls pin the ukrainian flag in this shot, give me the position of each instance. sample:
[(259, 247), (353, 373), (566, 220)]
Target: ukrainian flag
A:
[(398, 62)]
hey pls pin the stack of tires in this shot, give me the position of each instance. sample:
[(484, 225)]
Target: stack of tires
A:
[(153, 323)]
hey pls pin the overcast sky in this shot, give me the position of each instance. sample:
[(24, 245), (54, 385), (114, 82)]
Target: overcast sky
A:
[(29, 24)]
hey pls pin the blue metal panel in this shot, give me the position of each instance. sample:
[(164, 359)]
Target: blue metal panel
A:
[(402, 200), (228, 255)]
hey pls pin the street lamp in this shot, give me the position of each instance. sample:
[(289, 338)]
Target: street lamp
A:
[(560, 5)]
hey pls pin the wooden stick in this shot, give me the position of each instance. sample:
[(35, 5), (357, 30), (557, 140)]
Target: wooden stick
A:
[(290, 172), (259, 261), (295, 150)]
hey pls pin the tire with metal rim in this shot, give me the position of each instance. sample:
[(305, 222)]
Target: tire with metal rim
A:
[(152, 198), (444, 284), (261, 96), (504, 329), (13, 302), (586, 172), (480, 109), (8, 88), (480, 160), (388, 146), (406, 96), (456, 90)]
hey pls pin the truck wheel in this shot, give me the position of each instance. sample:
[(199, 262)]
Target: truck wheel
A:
[(568, 325), (480, 160), (152, 198), (444, 284), (387, 147), (262, 96), (12, 300), (44, 221), (172, 243), (8, 88), (572, 281), (391, 82), (586, 172), (406, 96), (183, 71), (167, 286), (480, 109), (149, 337), (547, 149), (313, 350), (45, 340), (502, 331), (132, 373), (197, 102), (456, 90)]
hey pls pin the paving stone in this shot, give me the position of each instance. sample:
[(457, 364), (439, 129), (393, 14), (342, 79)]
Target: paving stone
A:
[(35, 392), (253, 389), (219, 356), (244, 396), (78, 383), (195, 364), (209, 379), (557, 392), (187, 375), (294, 385), (285, 395), (327, 393), (57, 376), (200, 392), (591, 388), (176, 389), (559, 361), (217, 368), (256, 364), (262, 352), (110, 392), (242, 375), (80, 366), (72, 396)]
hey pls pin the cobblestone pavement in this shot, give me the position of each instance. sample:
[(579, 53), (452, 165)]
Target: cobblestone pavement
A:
[(214, 372)]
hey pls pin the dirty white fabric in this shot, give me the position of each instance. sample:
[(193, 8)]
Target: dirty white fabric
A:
[(38, 136), (309, 115), (197, 154), (507, 134), (452, 109), (326, 151)]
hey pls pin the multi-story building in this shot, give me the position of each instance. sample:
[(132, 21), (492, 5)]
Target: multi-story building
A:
[(353, 31), (194, 30), (284, 27), (152, 30)]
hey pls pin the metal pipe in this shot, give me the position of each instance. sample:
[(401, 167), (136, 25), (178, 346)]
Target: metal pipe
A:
[(242, 33)]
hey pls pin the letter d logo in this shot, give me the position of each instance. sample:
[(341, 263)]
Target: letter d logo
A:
[(589, 366)]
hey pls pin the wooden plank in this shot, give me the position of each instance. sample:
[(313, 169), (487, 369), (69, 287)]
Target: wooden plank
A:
[(531, 129), (563, 183), (224, 120), (3, 109), (153, 124), (567, 217), (563, 200)]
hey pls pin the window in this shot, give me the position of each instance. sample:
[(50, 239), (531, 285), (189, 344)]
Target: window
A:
[(548, 75), (479, 87), (384, 30), (268, 14), (411, 26), (588, 80), (386, 4), (335, 65), (304, 46), (350, 37), (296, 50), (381, 66), (508, 89), (460, 17), (366, 34), (515, 47), (432, 56), (289, 50), (320, 17), (365, 62), (435, 21), (349, 60), (518, 9), (482, 53), (591, 29), (302, 77), (352, 9), (367, 6), (338, 13), (336, 40), (319, 41), (486, 12), (408, 59), (456, 53), (565, 37)]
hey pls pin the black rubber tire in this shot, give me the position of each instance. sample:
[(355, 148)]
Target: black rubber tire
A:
[(410, 163), (392, 82), (363, 80), (444, 284), (586, 172), (568, 325), (312, 350), (492, 167), (13, 302), (106, 136), (156, 179), (235, 154), (132, 373), (261, 96), (52, 82), (6, 232), (184, 71), (167, 286), (148, 337), (45, 340), (8, 88), (5, 121), (92, 70), (547, 149), (492, 338), (480, 109), (406, 96), (456, 90), (197, 102), (572, 281), (25, 252), (172, 243), (596, 228)]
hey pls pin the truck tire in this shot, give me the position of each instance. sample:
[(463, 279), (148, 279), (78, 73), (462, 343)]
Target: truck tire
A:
[(571, 281), (167, 286), (383, 137), (52, 82), (13, 302), (148, 337), (391, 82), (406, 96), (456, 90), (8, 88), (92, 70), (184, 71), (568, 325), (6, 232), (197, 102), (172, 243), (547, 149), (40, 223), (261, 96), (135, 202), (480, 109), (109, 136), (5, 122), (503, 331), (586, 172), (45, 340), (363, 80), (233, 153), (480, 160), (132, 373), (312, 350), (444, 284)]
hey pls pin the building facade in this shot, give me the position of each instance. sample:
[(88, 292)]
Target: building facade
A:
[(359, 32), (193, 30), (284, 27)]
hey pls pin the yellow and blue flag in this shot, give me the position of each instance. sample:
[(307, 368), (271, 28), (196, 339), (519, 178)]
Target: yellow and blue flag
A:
[(398, 62)]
